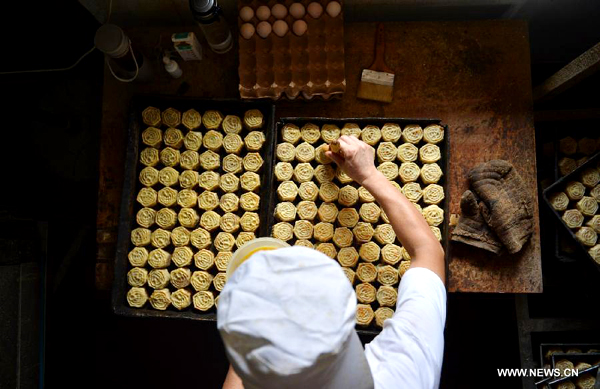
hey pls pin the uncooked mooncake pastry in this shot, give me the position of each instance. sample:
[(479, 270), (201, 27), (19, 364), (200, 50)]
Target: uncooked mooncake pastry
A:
[(384, 234), (232, 124), (433, 133), (369, 252), (188, 217), (409, 172), (212, 140), (594, 252), (588, 206), (285, 211), (151, 117), (287, 191), (347, 256), (193, 140), (233, 143), (371, 135), (330, 133), (229, 202), (303, 172), (203, 259), (382, 314), (149, 176), (431, 173), (586, 146), (209, 160), (587, 236), (283, 231), (167, 196), (188, 179), (180, 278), (391, 132), (348, 196), (137, 297), (159, 259), (434, 215), (181, 299), (387, 295), (253, 162), (391, 254), (575, 190), (249, 221), (566, 165), (320, 156), (389, 170), (191, 119), (351, 129), (253, 119), (249, 201), (308, 191), (304, 152), (284, 171), (328, 191), (304, 243), (370, 212), (232, 163), (166, 218), (200, 238), (286, 152), (152, 137), (141, 236), (303, 229), (386, 152), (567, 145), (187, 198), (171, 117), (173, 138), (161, 238), (250, 181), (412, 191), (182, 256), (158, 278), (310, 133), (387, 275), (222, 260), (138, 256), (323, 232), (229, 183), (210, 220), (364, 314), (224, 241), (149, 157), (137, 276), (594, 223), (365, 293), (343, 237), (429, 153), (168, 176), (212, 119), (347, 217), (160, 299), (324, 173), (573, 218), (363, 232), (328, 212), (433, 194), (254, 140), (204, 300), (590, 177), (201, 280), (364, 195), (436, 232), (403, 268), (209, 180), (412, 133), (407, 152), (342, 176), (147, 197), (290, 133)]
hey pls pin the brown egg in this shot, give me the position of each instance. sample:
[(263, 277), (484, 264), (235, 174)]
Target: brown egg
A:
[(280, 28), (299, 27), (279, 11), (263, 12), (315, 10), (333, 9), (263, 29), (247, 30), (297, 10), (246, 14)]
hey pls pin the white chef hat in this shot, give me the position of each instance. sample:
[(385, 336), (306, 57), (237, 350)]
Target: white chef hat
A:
[(287, 319)]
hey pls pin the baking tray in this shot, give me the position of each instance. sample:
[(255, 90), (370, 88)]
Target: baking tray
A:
[(129, 205), (559, 185), (565, 346), (362, 122)]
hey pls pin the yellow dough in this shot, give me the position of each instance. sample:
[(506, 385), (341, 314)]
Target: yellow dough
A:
[(253, 162), (382, 314), (369, 252), (391, 132), (229, 202), (387, 295), (436, 232), (389, 170), (232, 163), (429, 153), (347, 256), (387, 275), (595, 193), (310, 133), (209, 180), (365, 293), (161, 238), (287, 191), (233, 143), (160, 299), (204, 300), (250, 181), (141, 236), (304, 243), (303, 172), (283, 231), (208, 200), (573, 218), (348, 196), (328, 212), (403, 268), (173, 138), (320, 156), (137, 276), (145, 217), (168, 176), (323, 232), (254, 140), (204, 259), (371, 135), (147, 197), (328, 191), (250, 221), (187, 198), (158, 278), (229, 222), (180, 278), (347, 217), (171, 117), (137, 297), (412, 191), (409, 172), (364, 315), (433, 194), (201, 280), (349, 274), (191, 119), (594, 223), (229, 183), (188, 217), (412, 133), (434, 215), (587, 236), (138, 256), (181, 298), (209, 160), (212, 119), (588, 206), (222, 260), (285, 211), (286, 152), (200, 238), (149, 176), (364, 195), (152, 137), (586, 146), (290, 133), (182, 256), (232, 124), (151, 117), (327, 249), (330, 133), (343, 237), (342, 177), (249, 201), (567, 145), (384, 234), (431, 173), (210, 220), (284, 171), (149, 157), (594, 252), (433, 133), (304, 152), (370, 212), (303, 229), (212, 140), (407, 152), (166, 218), (307, 210), (590, 177), (224, 241), (405, 254), (193, 140), (253, 119), (308, 191), (566, 165), (575, 190), (188, 179), (159, 259), (351, 129), (391, 254), (363, 232), (219, 281), (386, 152)]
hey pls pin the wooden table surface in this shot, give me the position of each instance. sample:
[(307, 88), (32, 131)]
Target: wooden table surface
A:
[(475, 76)]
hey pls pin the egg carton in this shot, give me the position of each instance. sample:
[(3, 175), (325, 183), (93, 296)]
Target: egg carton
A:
[(293, 66)]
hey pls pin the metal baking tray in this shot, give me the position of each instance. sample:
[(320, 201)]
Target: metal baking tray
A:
[(559, 185), (131, 185), (362, 122), (584, 347)]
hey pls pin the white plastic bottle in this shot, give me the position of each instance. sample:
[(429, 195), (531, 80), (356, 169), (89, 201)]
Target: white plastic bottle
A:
[(172, 67)]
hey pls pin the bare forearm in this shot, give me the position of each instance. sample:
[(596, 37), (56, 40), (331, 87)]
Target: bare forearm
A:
[(408, 223), (232, 380)]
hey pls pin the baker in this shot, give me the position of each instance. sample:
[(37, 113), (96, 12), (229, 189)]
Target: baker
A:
[(287, 316)]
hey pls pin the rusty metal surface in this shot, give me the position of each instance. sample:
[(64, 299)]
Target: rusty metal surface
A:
[(475, 76)]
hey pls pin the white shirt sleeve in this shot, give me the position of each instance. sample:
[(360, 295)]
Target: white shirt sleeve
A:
[(409, 351)]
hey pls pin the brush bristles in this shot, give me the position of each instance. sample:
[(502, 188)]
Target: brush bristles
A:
[(370, 91)]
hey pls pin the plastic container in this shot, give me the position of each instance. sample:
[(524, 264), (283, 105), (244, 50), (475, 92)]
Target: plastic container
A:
[(172, 67), (209, 17), (120, 55), (250, 248)]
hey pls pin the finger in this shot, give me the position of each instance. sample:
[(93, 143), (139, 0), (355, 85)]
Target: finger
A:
[(339, 160), (343, 140)]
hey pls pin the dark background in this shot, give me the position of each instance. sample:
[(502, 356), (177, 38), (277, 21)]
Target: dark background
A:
[(50, 142)]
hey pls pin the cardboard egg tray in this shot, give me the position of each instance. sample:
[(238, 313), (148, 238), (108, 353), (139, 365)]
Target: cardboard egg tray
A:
[(293, 66)]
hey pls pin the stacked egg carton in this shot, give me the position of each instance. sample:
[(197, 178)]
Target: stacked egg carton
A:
[(303, 58)]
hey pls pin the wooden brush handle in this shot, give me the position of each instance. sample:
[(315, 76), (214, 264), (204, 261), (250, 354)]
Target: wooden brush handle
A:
[(379, 62)]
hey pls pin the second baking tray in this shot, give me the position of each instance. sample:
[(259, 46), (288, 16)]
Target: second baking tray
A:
[(362, 122)]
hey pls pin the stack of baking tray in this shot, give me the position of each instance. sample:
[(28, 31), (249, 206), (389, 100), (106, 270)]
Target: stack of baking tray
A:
[(583, 357)]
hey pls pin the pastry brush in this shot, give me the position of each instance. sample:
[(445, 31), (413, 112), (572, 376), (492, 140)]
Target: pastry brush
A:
[(377, 82)]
